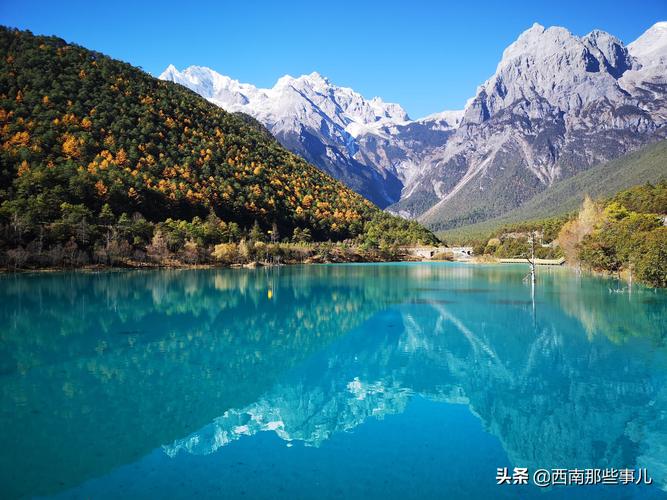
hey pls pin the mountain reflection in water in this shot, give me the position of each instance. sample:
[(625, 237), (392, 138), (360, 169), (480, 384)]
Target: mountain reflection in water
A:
[(100, 370)]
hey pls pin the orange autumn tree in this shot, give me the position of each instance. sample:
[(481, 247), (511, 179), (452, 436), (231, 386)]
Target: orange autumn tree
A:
[(109, 133)]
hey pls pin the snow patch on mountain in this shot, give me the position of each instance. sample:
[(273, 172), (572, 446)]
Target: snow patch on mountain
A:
[(366, 143), (556, 104), (303, 95), (651, 47)]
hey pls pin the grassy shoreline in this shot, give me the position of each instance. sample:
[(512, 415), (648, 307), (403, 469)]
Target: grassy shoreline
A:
[(296, 255), (361, 257)]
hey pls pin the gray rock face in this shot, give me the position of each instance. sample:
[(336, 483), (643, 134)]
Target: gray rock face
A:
[(556, 105)]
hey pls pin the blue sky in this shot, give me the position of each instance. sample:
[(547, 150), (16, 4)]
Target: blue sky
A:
[(426, 55)]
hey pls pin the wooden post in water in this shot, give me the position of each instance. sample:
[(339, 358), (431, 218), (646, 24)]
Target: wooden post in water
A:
[(531, 261)]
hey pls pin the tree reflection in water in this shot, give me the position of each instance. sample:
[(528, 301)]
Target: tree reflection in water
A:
[(98, 370)]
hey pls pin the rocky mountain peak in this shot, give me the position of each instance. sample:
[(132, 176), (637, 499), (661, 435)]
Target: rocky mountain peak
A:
[(554, 65), (556, 104), (609, 51)]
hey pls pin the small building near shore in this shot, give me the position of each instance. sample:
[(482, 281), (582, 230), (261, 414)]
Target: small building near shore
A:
[(428, 252), (462, 252), (424, 252)]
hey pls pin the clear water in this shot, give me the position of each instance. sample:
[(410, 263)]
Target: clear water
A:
[(345, 381)]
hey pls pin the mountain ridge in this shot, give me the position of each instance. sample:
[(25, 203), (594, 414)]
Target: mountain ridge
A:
[(333, 127), (557, 104), (647, 164)]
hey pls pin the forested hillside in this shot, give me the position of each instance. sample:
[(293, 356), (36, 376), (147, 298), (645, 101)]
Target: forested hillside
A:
[(624, 234), (648, 164), (627, 233), (94, 151)]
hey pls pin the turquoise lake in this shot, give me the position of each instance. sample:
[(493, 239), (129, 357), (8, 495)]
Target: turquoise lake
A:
[(332, 381)]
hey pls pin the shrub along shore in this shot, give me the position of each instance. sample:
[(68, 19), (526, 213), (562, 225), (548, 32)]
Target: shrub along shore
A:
[(80, 239), (240, 255), (624, 236)]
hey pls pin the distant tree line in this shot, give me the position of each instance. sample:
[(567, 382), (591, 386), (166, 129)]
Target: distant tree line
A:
[(80, 237)]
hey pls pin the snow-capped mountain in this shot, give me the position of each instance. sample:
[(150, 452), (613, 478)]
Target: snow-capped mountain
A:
[(315, 119), (556, 105), (650, 49), (341, 105), (329, 126)]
